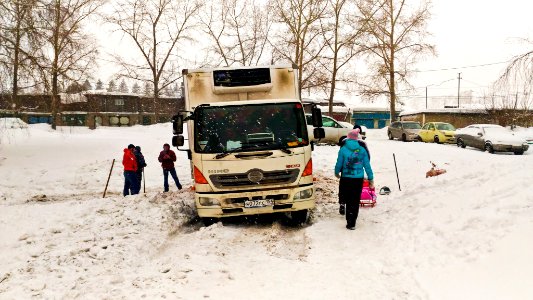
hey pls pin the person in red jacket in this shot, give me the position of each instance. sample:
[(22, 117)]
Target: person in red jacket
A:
[(130, 168), (167, 158)]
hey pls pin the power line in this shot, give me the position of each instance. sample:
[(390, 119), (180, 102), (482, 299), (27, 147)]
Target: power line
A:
[(464, 67)]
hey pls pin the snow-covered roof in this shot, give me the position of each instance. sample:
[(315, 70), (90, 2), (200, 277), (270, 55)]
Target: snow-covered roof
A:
[(370, 109), (342, 109), (444, 110), (72, 98), (105, 92), (321, 100)]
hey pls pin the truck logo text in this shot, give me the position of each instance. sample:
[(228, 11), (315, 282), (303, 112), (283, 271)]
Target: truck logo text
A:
[(292, 166), (218, 171)]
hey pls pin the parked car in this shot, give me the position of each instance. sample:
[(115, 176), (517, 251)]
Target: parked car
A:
[(437, 132), (335, 130), (403, 130), (491, 138)]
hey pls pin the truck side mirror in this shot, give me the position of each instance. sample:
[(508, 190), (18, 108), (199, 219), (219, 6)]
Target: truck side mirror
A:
[(178, 141), (316, 116), (319, 133), (177, 124)]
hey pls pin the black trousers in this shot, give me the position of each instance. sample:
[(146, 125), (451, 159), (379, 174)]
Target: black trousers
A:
[(350, 194)]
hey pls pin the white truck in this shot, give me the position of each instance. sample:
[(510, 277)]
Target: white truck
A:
[(247, 142)]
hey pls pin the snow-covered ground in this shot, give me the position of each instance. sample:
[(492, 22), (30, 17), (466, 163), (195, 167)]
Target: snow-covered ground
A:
[(465, 234)]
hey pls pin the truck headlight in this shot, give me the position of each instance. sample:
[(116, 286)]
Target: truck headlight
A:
[(303, 194), (205, 201)]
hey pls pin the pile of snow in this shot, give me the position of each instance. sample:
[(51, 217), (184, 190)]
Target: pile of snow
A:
[(461, 235), (12, 123)]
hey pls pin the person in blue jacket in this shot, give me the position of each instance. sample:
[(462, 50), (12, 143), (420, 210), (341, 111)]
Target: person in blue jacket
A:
[(352, 163)]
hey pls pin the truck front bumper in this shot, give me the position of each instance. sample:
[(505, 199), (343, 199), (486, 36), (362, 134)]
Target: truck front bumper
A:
[(233, 204)]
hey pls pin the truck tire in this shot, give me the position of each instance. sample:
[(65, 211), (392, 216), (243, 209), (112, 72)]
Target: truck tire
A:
[(209, 221), (299, 217)]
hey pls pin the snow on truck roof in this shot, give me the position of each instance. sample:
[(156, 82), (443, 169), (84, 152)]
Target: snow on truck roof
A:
[(234, 103), (203, 70)]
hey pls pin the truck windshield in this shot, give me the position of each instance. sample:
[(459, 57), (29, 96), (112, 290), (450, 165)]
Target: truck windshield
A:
[(249, 127)]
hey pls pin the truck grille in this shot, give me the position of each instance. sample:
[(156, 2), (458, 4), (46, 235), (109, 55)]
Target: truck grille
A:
[(242, 179)]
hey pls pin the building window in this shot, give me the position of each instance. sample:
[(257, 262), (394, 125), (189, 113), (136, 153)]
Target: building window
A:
[(119, 101)]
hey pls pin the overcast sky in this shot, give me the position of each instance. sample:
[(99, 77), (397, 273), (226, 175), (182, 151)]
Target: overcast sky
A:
[(474, 32), (466, 33)]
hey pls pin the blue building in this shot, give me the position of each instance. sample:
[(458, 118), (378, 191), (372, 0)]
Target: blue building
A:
[(372, 118)]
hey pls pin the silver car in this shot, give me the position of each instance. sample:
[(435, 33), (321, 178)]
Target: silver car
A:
[(403, 130), (491, 138)]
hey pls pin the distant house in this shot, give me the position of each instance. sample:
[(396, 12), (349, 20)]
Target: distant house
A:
[(462, 117), (94, 108), (372, 117)]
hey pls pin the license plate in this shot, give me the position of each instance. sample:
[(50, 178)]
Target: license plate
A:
[(258, 203)]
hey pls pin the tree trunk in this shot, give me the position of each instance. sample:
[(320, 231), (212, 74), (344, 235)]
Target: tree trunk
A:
[(55, 66), (14, 94)]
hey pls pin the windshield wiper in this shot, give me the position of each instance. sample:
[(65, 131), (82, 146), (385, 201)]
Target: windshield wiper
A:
[(226, 153), (255, 146)]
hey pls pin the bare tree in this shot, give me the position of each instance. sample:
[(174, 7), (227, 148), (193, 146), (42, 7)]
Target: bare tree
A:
[(395, 36), (72, 51), (341, 31), (156, 27), (299, 38), (239, 30), (511, 100), (20, 46)]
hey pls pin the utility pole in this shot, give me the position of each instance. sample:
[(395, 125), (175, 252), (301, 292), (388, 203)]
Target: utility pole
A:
[(426, 97), (458, 89)]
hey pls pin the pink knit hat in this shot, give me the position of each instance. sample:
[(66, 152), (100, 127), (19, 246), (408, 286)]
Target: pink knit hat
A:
[(354, 134)]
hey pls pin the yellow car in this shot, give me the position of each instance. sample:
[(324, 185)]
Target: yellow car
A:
[(437, 132)]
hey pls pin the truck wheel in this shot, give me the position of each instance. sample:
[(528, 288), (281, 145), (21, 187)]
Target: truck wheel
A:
[(390, 136), (299, 217), (209, 221), (404, 138)]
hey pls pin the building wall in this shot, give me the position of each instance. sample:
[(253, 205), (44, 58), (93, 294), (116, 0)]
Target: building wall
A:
[(460, 120), (372, 120), (98, 110)]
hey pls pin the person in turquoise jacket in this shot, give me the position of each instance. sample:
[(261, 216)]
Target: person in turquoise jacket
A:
[(352, 163)]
